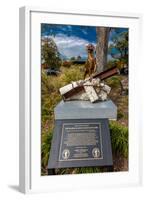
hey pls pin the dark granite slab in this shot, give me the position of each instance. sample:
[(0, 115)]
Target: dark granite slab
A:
[(80, 143)]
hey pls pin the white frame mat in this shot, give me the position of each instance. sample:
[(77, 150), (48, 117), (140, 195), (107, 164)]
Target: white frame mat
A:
[(30, 101)]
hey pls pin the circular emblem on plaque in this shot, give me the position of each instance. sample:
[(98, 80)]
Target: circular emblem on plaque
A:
[(96, 153), (65, 154)]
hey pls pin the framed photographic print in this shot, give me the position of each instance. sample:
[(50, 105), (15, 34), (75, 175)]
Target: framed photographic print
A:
[(79, 122)]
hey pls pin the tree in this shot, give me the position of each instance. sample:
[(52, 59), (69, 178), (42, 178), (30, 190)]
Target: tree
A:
[(79, 57), (50, 54), (102, 47), (120, 45), (72, 58)]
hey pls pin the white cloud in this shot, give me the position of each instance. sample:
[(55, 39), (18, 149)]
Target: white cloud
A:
[(71, 46)]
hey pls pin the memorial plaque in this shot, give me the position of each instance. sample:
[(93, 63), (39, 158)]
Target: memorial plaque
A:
[(80, 143)]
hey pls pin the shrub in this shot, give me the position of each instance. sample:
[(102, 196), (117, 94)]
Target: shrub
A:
[(83, 170), (49, 98), (113, 82), (119, 139), (45, 148), (112, 63), (50, 54), (120, 114), (66, 64), (73, 74)]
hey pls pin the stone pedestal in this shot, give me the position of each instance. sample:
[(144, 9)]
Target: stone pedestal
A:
[(86, 110)]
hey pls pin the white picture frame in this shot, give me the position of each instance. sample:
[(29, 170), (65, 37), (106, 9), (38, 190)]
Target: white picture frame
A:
[(30, 105)]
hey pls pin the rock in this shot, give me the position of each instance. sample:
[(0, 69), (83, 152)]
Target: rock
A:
[(103, 95), (124, 86), (92, 90), (107, 89), (124, 83)]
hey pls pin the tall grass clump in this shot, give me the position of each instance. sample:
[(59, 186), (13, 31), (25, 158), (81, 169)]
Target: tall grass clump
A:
[(87, 170), (71, 74), (46, 139), (113, 82), (119, 139)]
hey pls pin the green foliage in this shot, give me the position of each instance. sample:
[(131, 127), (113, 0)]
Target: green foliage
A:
[(120, 43), (73, 74), (83, 170), (49, 98), (50, 54), (111, 63), (113, 82), (119, 138), (45, 148), (120, 114), (72, 58)]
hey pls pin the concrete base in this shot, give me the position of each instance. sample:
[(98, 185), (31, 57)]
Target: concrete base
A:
[(86, 110)]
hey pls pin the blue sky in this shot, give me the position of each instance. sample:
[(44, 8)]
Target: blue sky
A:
[(72, 39)]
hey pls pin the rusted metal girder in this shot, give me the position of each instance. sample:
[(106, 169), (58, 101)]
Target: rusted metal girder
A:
[(107, 73), (102, 76)]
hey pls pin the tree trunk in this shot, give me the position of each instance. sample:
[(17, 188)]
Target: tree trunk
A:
[(102, 48)]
